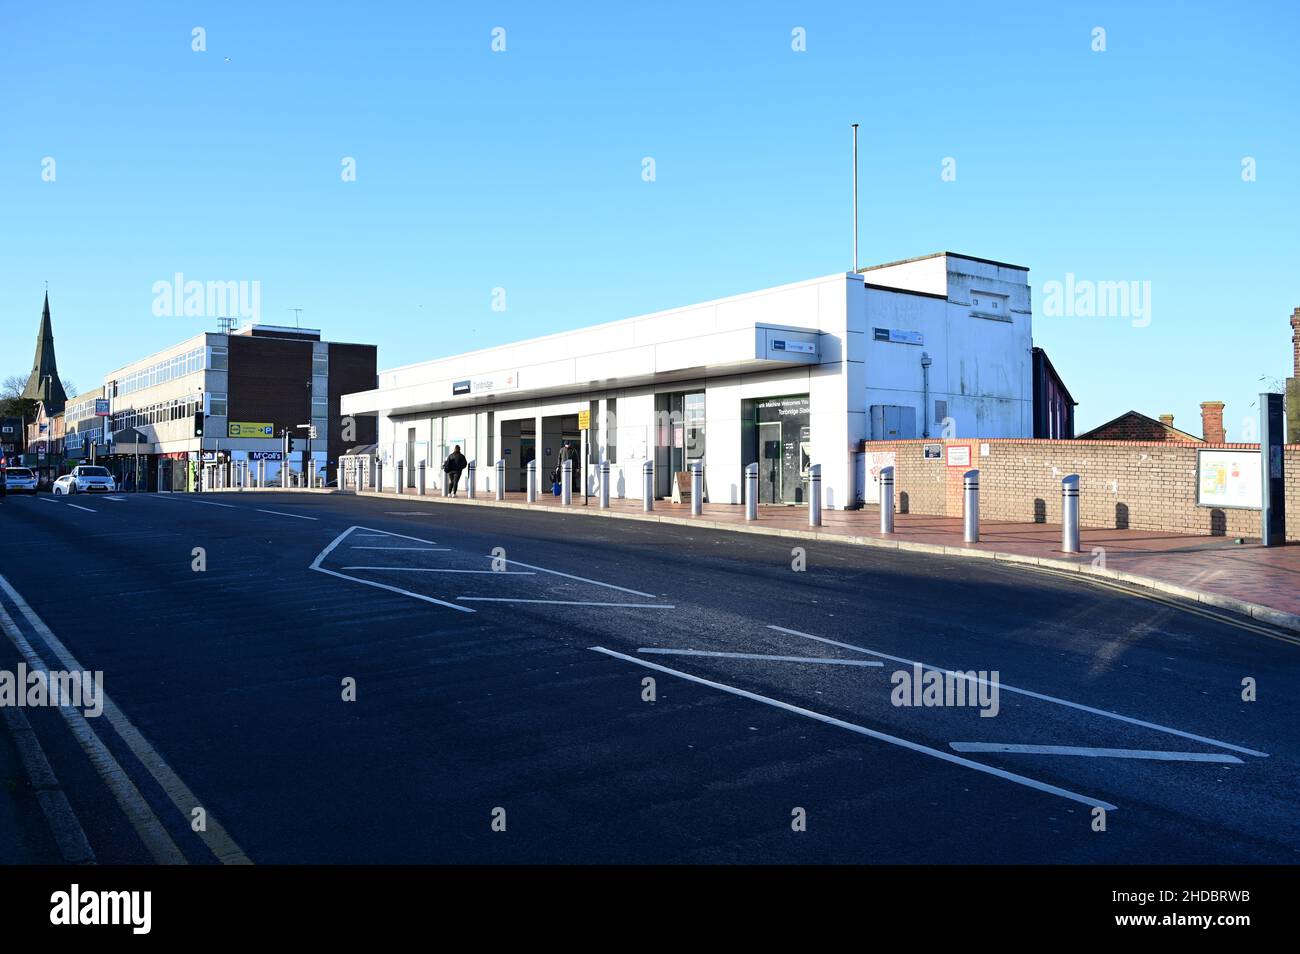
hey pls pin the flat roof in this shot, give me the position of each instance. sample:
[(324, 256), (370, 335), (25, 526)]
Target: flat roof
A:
[(968, 258)]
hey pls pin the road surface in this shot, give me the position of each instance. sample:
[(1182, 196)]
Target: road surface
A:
[(323, 678)]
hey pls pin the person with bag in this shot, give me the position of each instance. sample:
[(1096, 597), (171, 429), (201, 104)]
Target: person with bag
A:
[(452, 467)]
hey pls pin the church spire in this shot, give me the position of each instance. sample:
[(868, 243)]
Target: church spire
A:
[(44, 384)]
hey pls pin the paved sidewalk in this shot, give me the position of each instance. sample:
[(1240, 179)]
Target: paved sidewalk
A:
[(1245, 578)]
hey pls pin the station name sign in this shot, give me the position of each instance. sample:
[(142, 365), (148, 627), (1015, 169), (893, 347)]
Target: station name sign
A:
[(491, 382), (799, 347), (898, 336)]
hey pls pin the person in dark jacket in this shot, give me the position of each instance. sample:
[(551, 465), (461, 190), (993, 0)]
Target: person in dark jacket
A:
[(452, 467)]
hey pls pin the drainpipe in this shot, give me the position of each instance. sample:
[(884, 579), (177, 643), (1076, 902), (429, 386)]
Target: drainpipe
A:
[(925, 394)]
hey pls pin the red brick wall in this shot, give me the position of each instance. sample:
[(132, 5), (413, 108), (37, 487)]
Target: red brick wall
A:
[(1134, 484)]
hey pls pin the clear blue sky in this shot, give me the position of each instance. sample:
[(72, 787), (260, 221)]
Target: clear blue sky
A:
[(522, 169)]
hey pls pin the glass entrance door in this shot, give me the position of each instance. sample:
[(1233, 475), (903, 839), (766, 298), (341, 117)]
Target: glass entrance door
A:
[(769, 462)]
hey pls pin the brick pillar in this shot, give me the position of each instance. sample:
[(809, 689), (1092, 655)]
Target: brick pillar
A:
[(1212, 422)]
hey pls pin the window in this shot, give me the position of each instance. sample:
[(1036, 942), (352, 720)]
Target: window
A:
[(320, 406), (611, 430), (216, 404), (940, 411), (218, 359), (694, 414), (320, 364)]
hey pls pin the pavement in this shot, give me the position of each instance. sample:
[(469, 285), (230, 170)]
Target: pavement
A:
[(310, 677)]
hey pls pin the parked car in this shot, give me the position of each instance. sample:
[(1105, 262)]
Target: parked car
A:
[(20, 480), (86, 479)]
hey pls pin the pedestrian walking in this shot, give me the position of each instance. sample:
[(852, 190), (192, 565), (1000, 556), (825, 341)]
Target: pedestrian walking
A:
[(452, 466)]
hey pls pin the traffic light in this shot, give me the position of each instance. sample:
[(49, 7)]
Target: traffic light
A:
[(198, 423)]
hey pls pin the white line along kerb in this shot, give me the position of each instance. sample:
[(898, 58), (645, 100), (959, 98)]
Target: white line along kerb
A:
[(215, 837)]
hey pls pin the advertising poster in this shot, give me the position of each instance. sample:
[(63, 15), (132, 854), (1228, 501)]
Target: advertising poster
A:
[(1228, 478)]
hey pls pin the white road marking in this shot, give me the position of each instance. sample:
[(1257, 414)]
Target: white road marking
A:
[(796, 659), (142, 818), (1155, 754), (511, 599), (1002, 686), (407, 513), (871, 733), (215, 837), (581, 579), (47, 500), (213, 503), (118, 499), (316, 565), (420, 549), (79, 507), (279, 513), (424, 569)]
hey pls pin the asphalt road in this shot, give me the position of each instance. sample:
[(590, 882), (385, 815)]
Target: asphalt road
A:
[(500, 661)]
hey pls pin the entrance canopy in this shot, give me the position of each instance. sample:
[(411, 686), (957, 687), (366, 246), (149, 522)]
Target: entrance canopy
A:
[(130, 441)]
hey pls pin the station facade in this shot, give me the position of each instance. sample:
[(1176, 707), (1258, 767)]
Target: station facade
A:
[(785, 377)]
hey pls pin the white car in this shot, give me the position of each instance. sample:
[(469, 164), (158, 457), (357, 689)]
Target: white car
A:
[(86, 479), (20, 480)]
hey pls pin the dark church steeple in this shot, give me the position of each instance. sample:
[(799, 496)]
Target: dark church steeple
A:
[(44, 384)]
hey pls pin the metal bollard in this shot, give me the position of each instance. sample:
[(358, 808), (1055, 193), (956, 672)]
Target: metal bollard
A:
[(501, 479), (648, 486), (971, 500), (471, 470), (815, 495), (532, 480), (886, 500), (397, 472), (420, 478), (604, 485), (751, 491), (697, 489), (566, 483), (261, 474), (1070, 514), (379, 476)]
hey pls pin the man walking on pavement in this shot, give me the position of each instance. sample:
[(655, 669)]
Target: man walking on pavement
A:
[(452, 467)]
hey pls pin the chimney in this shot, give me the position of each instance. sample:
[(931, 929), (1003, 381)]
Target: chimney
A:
[(1295, 341), (1212, 422), (1167, 420)]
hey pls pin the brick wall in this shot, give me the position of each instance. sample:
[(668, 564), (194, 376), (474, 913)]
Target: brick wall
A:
[(1128, 484)]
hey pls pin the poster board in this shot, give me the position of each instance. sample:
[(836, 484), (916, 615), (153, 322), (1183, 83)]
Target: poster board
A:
[(874, 462), (682, 487), (1228, 478)]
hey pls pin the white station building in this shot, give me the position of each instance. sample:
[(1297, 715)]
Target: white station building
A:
[(784, 377)]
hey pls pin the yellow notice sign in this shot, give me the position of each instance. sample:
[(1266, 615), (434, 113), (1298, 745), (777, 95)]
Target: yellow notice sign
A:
[(584, 420), (249, 429)]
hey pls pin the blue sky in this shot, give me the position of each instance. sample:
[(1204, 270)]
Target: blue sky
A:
[(522, 169)]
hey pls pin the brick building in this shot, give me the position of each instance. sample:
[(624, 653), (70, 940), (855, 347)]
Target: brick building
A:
[(231, 396)]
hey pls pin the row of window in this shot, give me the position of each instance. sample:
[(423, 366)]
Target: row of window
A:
[(177, 409), (177, 366), (80, 411)]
